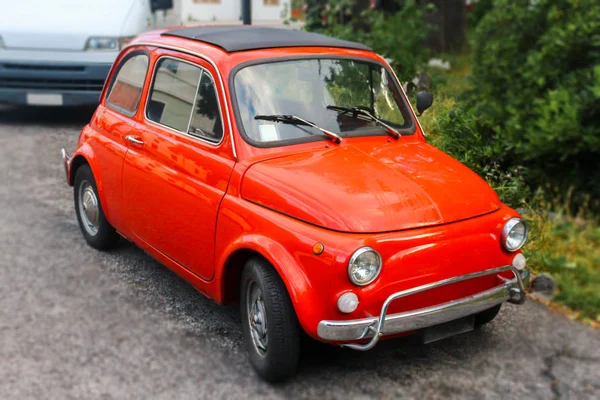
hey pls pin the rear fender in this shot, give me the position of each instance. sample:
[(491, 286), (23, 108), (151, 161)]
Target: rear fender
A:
[(85, 155)]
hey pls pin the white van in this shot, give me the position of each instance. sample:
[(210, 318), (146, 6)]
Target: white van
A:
[(59, 52)]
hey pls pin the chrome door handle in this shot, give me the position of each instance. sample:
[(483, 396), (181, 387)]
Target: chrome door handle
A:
[(134, 139)]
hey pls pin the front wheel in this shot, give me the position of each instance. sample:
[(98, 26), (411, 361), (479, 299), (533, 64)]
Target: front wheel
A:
[(271, 329)]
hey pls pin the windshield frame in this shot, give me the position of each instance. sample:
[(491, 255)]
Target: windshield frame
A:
[(375, 130)]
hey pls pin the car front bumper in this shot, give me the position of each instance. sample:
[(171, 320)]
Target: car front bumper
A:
[(373, 328), (59, 84), (19, 97)]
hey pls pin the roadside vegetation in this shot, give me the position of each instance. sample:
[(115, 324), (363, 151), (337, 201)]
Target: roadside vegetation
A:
[(521, 109), (563, 244)]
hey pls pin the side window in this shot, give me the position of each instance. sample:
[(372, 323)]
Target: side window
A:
[(172, 94), (206, 119), (126, 90)]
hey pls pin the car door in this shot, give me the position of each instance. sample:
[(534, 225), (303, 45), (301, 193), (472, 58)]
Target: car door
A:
[(113, 121), (175, 177)]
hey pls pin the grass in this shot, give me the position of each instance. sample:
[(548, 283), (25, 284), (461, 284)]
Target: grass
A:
[(565, 246)]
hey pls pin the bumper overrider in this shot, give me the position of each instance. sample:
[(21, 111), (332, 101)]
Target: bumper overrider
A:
[(511, 290), (66, 162)]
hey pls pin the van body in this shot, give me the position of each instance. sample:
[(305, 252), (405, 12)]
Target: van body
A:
[(59, 52)]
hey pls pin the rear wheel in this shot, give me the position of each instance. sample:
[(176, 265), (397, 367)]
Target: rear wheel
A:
[(487, 316), (96, 229), (271, 329)]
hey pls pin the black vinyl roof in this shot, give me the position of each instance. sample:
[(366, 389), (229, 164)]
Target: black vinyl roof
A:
[(246, 37)]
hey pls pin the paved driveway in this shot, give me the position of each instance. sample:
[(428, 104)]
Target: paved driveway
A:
[(77, 323)]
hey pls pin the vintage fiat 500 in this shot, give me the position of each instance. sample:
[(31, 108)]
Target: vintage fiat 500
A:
[(287, 171)]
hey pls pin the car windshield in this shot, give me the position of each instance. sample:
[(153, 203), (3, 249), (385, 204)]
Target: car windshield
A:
[(311, 89)]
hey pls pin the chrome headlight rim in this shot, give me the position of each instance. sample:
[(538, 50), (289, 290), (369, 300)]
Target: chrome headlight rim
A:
[(508, 227), (353, 259)]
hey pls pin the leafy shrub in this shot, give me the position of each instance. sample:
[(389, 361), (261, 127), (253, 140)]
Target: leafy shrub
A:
[(398, 37), (459, 134), (536, 95), (479, 10)]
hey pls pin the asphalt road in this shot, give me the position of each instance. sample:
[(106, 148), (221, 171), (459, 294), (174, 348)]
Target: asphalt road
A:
[(77, 323)]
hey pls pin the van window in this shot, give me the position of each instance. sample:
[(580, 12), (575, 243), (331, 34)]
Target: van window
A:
[(172, 93), (126, 90), (206, 119)]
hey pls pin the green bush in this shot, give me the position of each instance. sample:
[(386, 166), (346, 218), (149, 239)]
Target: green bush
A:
[(461, 137), (398, 37), (479, 10), (535, 97)]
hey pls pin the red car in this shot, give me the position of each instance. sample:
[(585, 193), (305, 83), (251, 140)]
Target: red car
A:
[(287, 171)]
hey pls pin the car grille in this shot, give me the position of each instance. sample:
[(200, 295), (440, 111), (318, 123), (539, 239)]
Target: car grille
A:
[(52, 84), (55, 77), (32, 67)]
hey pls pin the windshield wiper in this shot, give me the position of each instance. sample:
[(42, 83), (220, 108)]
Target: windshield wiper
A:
[(361, 111), (294, 120)]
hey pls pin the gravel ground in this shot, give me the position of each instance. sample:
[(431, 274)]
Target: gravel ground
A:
[(78, 323)]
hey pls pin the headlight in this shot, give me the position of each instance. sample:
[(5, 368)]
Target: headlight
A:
[(364, 266), (106, 43), (514, 234)]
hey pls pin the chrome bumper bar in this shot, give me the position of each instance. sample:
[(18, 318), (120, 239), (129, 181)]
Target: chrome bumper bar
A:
[(512, 290), (66, 162)]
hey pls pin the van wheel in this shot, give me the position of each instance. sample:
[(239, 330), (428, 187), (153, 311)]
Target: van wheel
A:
[(271, 329), (96, 229), (486, 316)]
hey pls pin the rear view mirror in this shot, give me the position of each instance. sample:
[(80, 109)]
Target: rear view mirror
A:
[(156, 5), (424, 101)]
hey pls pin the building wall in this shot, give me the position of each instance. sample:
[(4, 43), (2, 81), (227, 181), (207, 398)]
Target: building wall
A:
[(171, 17), (231, 10)]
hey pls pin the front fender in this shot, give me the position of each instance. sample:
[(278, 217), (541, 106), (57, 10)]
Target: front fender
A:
[(287, 245), (293, 276)]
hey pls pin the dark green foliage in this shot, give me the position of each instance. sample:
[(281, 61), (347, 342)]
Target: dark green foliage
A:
[(536, 95), (479, 10), (461, 137), (398, 37)]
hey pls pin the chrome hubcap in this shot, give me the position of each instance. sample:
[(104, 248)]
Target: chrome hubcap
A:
[(257, 317), (89, 208)]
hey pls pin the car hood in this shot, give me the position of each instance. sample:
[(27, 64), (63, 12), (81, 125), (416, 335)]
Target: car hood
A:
[(61, 24), (362, 188)]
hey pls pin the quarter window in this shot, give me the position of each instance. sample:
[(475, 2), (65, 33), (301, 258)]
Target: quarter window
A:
[(173, 93), (206, 119), (126, 90)]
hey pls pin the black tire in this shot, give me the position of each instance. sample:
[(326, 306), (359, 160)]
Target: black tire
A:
[(486, 316), (279, 360), (104, 236)]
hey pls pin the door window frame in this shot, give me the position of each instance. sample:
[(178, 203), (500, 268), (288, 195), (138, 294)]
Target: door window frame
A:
[(113, 80), (203, 70)]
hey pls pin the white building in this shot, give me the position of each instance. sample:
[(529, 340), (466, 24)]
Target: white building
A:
[(264, 12)]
